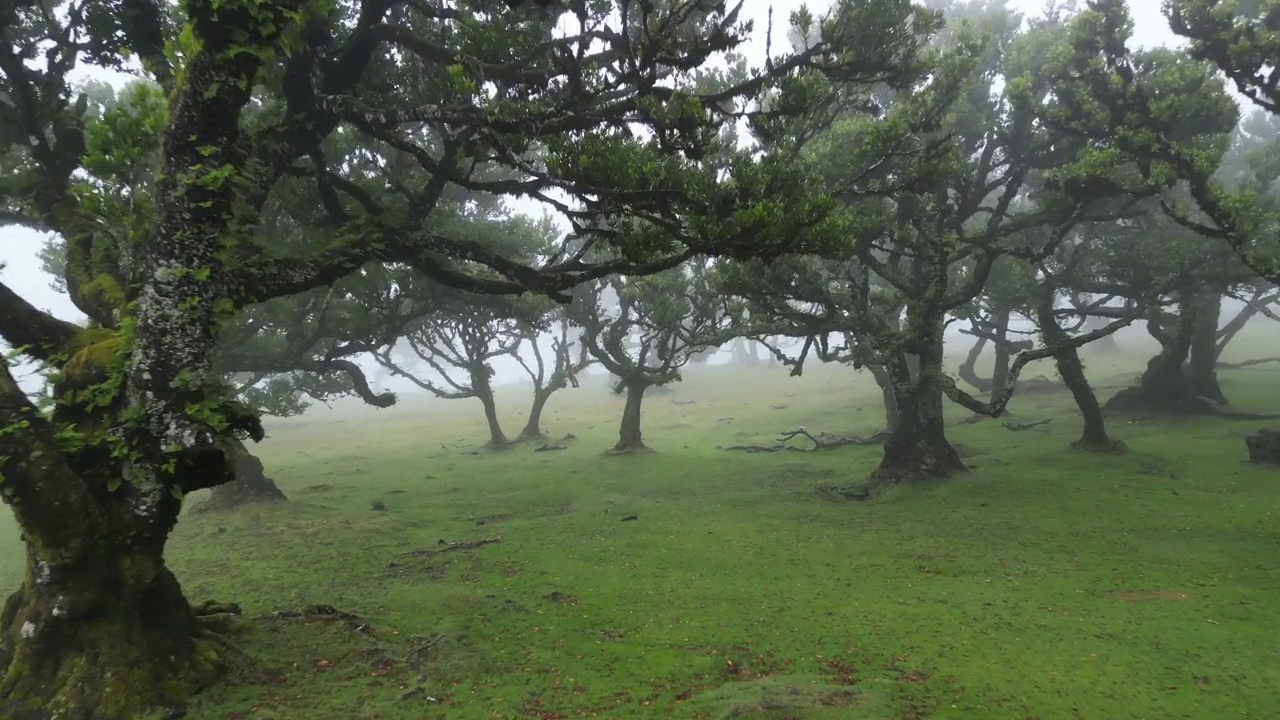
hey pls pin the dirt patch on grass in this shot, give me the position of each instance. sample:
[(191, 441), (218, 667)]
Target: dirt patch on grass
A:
[(1145, 595)]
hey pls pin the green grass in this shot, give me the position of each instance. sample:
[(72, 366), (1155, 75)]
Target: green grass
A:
[(1046, 583)]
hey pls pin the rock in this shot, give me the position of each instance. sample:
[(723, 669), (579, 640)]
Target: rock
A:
[(378, 506), (1264, 446)]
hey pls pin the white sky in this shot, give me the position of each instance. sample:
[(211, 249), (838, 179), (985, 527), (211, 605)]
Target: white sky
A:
[(19, 246)]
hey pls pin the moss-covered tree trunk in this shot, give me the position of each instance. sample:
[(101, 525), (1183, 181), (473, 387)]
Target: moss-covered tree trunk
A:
[(250, 486), (1094, 435), (99, 627), (106, 635), (629, 436), (917, 445)]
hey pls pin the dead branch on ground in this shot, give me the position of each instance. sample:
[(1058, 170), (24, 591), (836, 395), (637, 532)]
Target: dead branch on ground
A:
[(821, 441)]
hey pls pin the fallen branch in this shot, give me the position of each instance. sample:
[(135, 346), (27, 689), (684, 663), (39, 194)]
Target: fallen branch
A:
[(1245, 364), (324, 613), (545, 447), (1016, 427), (684, 402), (821, 441), (450, 547), (1210, 407)]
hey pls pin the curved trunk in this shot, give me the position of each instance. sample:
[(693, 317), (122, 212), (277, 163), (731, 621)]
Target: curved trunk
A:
[(968, 369), (251, 485), (104, 635), (1071, 370), (917, 447), (629, 437), (533, 428)]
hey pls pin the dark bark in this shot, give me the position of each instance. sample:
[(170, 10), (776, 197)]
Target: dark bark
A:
[(968, 369), (1094, 435), (250, 486), (917, 447), (1201, 369), (533, 428), (483, 391), (496, 437), (1168, 385), (629, 436), (1000, 371)]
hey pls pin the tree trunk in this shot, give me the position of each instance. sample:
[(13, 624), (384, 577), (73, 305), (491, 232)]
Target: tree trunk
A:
[(1000, 371), (1071, 370), (1165, 386), (917, 447), (251, 485), (968, 369), (496, 437), (629, 437), (533, 428), (890, 399), (106, 635), (1201, 370)]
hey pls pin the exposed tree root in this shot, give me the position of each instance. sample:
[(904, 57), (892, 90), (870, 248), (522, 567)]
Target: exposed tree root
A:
[(1115, 447), (621, 449), (1133, 400), (821, 441)]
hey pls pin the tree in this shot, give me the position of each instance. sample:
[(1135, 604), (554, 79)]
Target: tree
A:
[(256, 99), (982, 182), (1144, 118), (566, 364), (463, 334), (668, 318), (989, 315)]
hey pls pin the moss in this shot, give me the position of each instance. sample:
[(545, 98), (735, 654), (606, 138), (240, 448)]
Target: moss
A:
[(104, 354), (107, 665)]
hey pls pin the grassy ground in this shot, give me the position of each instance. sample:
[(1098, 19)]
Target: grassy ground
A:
[(1044, 584)]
